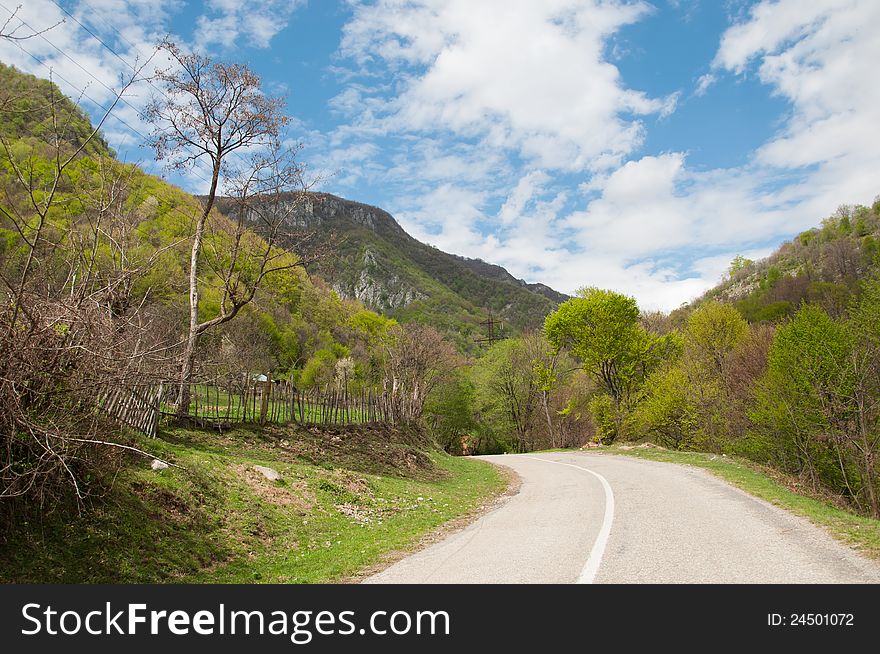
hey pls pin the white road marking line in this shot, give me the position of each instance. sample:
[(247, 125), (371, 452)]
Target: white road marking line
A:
[(591, 567)]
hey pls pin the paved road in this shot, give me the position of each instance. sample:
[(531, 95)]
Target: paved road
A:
[(584, 518)]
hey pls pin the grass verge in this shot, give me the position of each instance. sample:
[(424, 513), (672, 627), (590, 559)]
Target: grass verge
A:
[(345, 499), (859, 532)]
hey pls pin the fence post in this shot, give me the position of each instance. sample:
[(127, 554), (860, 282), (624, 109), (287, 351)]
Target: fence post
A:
[(264, 399), (157, 412)]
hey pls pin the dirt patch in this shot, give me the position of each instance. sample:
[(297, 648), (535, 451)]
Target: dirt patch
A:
[(162, 503), (359, 514), (513, 484), (382, 450), (283, 493), (389, 450)]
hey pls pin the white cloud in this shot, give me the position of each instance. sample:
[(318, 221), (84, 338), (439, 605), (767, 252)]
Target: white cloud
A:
[(521, 195), (529, 77), (80, 64), (227, 22), (703, 84), (820, 56), (418, 215)]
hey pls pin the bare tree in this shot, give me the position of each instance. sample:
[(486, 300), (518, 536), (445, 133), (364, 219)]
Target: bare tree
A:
[(40, 190), (545, 374), (209, 110), (10, 32), (417, 358)]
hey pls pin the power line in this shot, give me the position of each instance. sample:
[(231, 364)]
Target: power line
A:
[(120, 97), (94, 77), (82, 68), (111, 50), (123, 60), (96, 37)]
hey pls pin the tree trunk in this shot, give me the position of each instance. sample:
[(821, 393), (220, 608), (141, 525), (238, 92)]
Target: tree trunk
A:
[(545, 402), (192, 339)]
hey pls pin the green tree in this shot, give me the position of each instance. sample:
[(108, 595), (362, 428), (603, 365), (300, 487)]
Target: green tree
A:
[(713, 331), (685, 404), (800, 402), (449, 411), (739, 263), (861, 440), (668, 412), (507, 393), (602, 330)]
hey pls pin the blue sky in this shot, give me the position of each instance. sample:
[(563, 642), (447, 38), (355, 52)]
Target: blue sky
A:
[(631, 145)]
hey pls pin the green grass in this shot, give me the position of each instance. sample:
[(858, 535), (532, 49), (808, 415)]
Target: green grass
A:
[(859, 532), (344, 502)]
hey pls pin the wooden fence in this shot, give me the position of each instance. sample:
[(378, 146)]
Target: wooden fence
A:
[(139, 407), (259, 402), (281, 402)]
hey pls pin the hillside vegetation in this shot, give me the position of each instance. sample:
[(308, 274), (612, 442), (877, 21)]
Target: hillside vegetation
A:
[(343, 502), (821, 266), (779, 364)]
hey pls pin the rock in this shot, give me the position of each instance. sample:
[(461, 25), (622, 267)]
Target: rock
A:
[(158, 465), (268, 473)]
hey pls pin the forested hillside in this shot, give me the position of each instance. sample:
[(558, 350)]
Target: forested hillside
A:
[(823, 266), (780, 363), (374, 260), (95, 262), (294, 319)]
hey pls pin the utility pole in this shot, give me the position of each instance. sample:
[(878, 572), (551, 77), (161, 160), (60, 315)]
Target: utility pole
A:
[(491, 335)]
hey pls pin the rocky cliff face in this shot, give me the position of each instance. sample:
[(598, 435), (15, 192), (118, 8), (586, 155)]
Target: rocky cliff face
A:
[(384, 291)]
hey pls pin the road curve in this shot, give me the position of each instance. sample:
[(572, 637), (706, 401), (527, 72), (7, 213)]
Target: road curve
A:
[(584, 518)]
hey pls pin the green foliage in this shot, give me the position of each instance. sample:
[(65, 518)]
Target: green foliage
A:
[(319, 369), (601, 329), (683, 405), (739, 263), (808, 361), (450, 412), (774, 274), (504, 393), (713, 332), (606, 416), (372, 325), (668, 414), (27, 113)]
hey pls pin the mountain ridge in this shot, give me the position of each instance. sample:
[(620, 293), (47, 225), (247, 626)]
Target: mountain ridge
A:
[(377, 262)]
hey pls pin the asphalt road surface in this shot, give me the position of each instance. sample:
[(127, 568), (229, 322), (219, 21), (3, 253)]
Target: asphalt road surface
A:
[(590, 518)]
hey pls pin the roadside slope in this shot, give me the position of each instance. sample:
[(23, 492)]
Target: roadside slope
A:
[(344, 500)]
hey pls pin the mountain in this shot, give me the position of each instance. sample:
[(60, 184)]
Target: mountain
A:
[(375, 261)]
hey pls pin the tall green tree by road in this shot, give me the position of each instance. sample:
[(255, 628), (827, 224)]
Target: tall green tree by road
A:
[(818, 404), (602, 330)]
